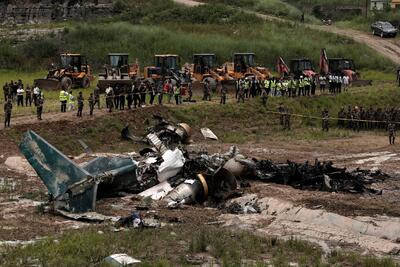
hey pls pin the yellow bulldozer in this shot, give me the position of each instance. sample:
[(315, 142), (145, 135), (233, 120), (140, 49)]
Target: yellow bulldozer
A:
[(118, 72), (165, 67), (243, 66), (72, 70), (204, 68)]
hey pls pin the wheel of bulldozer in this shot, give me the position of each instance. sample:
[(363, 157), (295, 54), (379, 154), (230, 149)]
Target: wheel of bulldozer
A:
[(86, 82), (66, 83)]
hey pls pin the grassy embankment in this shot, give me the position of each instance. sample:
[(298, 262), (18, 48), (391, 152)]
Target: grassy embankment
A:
[(170, 245)]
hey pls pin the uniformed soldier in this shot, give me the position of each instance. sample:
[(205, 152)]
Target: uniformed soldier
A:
[(287, 116), (116, 96), (7, 112), (223, 93), (97, 97), (264, 97), (325, 120), (241, 95), (281, 110), (6, 91), (28, 96), (122, 99), (91, 102), (39, 107), (392, 133), (80, 104)]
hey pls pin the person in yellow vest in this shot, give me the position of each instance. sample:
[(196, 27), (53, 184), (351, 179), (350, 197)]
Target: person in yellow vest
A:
[(267, 86), (63, 100), (273, 86), (301, 86), (278, 88)]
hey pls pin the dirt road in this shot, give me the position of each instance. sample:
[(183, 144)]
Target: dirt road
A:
[(386, 47)]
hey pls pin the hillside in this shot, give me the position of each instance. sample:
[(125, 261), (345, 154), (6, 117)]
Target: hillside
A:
[(144, 28)]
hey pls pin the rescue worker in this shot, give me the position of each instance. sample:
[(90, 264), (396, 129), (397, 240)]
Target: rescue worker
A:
[(301, 86), (224, 91), (91, 104), (206, 91), (307, 86), (152, 93), (39, 107), (80, 104), (71, 101), (63, 98), (28, 96), (325, 120), (392, 133), (136, 96), (160, 92), (7, 112)]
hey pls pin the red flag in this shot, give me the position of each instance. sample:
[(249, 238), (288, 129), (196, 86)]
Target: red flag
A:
[(281, 67), (323, 62)]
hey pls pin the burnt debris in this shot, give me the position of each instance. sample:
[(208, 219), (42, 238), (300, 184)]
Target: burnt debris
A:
[(166, 171)]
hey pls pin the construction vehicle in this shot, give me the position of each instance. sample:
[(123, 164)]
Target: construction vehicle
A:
[(118, 72), (243, 66), (165, 67), (204, 68), (72, 70), (337, 66), (301, 67)]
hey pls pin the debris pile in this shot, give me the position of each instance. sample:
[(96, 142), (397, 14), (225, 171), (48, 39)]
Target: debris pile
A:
[(167, 171)]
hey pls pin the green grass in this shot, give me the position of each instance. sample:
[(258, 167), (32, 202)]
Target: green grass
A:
[(159, 247), (150, 27)]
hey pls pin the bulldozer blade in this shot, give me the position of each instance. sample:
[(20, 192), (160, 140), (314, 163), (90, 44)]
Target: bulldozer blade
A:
[(127, 135), (48, 84)]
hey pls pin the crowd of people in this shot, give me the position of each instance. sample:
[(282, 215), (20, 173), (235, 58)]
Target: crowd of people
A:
[(289, 86), (169, 91), (358, 118), (17, 93)]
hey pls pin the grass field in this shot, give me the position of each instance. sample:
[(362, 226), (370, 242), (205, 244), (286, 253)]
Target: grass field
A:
[(169, 245)]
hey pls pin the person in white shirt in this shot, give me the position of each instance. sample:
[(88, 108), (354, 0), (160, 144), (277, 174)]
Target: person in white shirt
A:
[(20, 96), (346, 83), (36, 92)]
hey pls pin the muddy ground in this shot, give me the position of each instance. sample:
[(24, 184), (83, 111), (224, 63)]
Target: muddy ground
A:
[(22, 192)]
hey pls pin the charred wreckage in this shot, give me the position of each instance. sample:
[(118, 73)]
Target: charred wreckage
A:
[(165, 170)]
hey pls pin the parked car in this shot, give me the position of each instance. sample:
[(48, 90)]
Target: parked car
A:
[(383, 29)]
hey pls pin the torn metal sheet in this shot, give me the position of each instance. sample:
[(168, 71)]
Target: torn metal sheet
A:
[(88, 216), (121, 260), (157, 192), (173, 161), (208, 134)]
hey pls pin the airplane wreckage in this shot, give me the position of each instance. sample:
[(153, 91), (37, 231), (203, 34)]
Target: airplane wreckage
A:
[(165, 170)]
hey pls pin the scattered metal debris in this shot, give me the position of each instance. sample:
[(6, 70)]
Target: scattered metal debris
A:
[(121, 260), (207, 133), (166, 171)]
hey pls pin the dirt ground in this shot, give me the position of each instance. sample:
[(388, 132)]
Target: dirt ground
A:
[(22, 192)]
